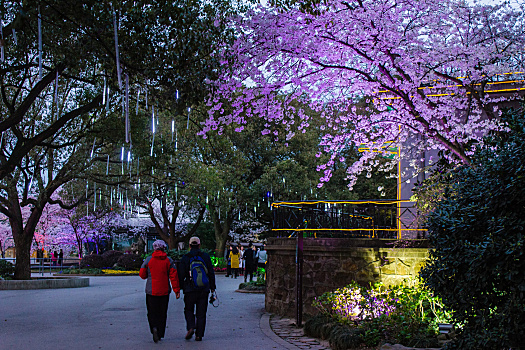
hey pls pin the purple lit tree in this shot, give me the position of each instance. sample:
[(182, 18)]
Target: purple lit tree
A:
[(5, 234), (423, 72)]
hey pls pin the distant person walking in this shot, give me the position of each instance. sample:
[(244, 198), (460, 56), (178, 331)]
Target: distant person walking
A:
[(40, 256), (235, 259), (61, 258), (54, 258), (241, 255), (262, 258), (249, 261), (197, 279), (159, 269)]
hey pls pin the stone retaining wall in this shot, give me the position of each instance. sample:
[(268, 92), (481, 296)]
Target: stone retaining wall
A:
[(332, 263), (45, 283)]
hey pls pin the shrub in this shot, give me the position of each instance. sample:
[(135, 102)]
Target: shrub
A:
[(219, 262), (477, 231), (94, 261), (317, 326), (6, 268), (111, 257), (406, 314), (343, 337), (130, 261)]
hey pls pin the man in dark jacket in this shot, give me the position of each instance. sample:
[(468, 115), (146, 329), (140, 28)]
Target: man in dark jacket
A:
[(249, 261), (195, 296), (159, 269)]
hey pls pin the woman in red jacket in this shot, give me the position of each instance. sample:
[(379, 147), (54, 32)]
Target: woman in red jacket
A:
[(159, 270)]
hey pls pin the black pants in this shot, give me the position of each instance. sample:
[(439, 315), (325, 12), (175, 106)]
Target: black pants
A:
[(195, 307), (250, 269), (157, 312)]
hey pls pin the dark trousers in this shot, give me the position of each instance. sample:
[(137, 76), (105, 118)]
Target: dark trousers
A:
[(195, 307), (157, 312), (250, 269)]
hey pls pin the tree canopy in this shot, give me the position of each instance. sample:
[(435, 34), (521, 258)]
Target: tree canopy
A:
[(426, 69)]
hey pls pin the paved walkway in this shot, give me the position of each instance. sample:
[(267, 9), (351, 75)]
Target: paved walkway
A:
[(111, 314)]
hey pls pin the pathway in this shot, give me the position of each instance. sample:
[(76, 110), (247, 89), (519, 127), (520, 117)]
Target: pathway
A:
[(111, 314)]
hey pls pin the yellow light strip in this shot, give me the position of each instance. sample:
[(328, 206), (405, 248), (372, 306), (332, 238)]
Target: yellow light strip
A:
[(468, 93), (348, 229), (277, 204), (398, 205), (449, 86)]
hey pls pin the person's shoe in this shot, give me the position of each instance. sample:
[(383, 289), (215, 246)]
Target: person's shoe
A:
[(155, 335), (197, 338), (189, 334)]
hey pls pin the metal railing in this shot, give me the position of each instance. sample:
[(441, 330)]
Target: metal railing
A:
[(43, 264), (360, 219)]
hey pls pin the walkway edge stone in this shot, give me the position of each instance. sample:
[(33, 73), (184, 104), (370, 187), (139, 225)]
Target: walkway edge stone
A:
[(45, 283), (267, 330)]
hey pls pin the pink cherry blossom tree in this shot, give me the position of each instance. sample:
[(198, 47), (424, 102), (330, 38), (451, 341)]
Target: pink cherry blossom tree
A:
[(425, 73), (5, 234)]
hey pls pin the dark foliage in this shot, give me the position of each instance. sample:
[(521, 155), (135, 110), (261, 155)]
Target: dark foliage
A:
[(477, 230), (94, 261), (6, 268), (130, 261), (341, 337), (111, 257)]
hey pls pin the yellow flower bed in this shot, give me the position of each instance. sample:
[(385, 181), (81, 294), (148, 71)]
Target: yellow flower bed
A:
[(119, 272)]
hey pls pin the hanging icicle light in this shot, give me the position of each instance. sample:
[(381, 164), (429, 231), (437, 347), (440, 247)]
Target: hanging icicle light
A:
[(107, 98), (129, 156), (115, 30), (152, 129), (107, 166), (188, 122), (103, 91), (2, 43), (56, 93), (126, 111), (138, 99), (39, 44), (93, 148)]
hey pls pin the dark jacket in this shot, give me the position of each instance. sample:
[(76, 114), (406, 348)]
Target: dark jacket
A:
[(184, 271), (249, 257)]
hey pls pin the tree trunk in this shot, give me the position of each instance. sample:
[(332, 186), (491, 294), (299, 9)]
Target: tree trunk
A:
[(222, 230), (23, 255)]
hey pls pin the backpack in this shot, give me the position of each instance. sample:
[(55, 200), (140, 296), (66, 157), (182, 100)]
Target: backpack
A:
[(199, 272)]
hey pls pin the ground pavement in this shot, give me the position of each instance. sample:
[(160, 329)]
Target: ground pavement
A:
[(111, 314)]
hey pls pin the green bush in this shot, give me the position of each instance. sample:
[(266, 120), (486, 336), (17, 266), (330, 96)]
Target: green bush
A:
[(220, 263), (6, 269), (111, 257), (94, 261), (406, 314), (130, 261), (477, 231)]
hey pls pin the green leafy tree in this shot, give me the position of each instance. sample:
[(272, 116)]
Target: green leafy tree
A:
[(477, 231), (69, 66)]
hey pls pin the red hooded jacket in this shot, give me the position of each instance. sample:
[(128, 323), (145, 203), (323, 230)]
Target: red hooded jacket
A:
[(159, 270)]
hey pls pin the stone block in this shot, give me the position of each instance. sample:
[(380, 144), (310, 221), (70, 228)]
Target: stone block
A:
[(388, 267), (403, 267)]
